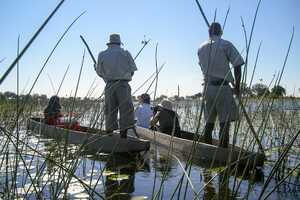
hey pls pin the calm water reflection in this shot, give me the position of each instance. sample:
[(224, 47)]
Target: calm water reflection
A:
[(120, 179), (153, 175)]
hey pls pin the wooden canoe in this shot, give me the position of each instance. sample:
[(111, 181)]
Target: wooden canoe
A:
[(211, 154), (92, 139)]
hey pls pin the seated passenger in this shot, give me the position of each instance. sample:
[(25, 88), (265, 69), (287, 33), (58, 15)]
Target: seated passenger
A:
[(52, 112), (143, 112), (53, 115), (167, 119)]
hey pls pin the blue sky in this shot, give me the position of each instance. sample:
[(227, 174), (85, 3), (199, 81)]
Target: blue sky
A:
[(176, 25)]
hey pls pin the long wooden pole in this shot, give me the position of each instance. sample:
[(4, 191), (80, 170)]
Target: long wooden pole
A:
[(89, 50), (145, 44), (202, 13)]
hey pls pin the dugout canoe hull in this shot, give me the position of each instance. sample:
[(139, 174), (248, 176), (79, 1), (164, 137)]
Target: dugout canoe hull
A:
[(202, 152), (94, 142)]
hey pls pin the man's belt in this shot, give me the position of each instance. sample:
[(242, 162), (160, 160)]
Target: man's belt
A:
[(118, 80), (218, 82)]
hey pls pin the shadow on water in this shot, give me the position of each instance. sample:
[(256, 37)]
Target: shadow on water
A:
[(120, 179)]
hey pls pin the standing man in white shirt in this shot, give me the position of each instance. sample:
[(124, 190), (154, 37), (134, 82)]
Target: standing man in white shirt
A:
[(143, 112), (215, 55), (116, 67)]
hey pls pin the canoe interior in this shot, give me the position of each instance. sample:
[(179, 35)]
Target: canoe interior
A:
[(203, 153), (188, 144), (92, 140), (82, 128)]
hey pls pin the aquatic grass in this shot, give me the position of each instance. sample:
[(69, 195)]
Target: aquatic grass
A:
[(226, 16), (169, 156), (23, 161), (51, 83), (30, 42), (17, 110), (76, 90), (246, 99), (61, 166), (282, 181), (277, 164), (164, 185), (154, 80), (63, 78), (156, 70), (260, 118), (186, 174), (248, 46), (20, 111)]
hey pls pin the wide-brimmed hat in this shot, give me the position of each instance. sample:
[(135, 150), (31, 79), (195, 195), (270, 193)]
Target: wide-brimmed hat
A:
[(114, 39), (166, 104)]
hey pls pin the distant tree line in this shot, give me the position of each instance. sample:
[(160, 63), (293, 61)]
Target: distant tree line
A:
[(257, 90), (260, 89), (42, 99), (35, 98)]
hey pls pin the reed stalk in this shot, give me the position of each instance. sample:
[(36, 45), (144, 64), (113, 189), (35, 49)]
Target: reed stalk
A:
[(30, 42)]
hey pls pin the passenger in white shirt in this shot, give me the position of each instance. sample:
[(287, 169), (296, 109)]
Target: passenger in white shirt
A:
[(143, 112)]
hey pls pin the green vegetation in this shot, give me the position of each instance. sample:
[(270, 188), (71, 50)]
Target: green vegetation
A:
[(32, 167), (260, 90), (278, 91)]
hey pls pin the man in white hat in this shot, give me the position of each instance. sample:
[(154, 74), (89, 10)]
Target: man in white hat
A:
[(116, 67), (215, 55)]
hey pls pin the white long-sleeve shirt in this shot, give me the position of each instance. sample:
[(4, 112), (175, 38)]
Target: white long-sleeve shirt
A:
[(143, 114)]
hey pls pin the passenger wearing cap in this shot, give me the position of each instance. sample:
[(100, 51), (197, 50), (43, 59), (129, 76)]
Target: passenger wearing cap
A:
[(116, 67), (166, 120), (143, 112), (215, 57)]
